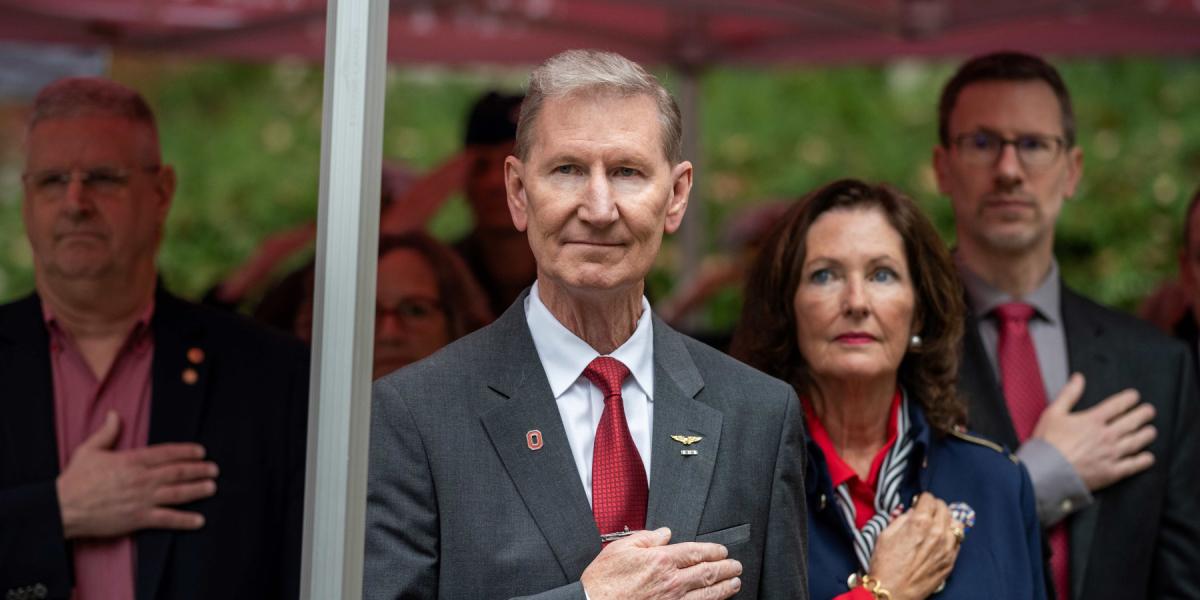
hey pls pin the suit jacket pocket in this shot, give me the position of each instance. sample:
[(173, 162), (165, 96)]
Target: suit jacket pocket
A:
[(727, 537)]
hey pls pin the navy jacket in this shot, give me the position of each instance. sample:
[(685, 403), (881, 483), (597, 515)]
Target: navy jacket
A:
[(247, 407), (1001, 556)]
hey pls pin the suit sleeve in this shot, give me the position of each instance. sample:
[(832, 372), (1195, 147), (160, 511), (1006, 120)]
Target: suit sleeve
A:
[(1176, 569), (1033, 536), (785, 560), (33, 550), (402, 535), (296, 448)]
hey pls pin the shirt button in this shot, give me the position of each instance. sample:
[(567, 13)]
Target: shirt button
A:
[(1067, 505), (821, 501)]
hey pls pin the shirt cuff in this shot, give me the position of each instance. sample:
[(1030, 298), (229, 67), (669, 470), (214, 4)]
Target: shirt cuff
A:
[(1057, 486)]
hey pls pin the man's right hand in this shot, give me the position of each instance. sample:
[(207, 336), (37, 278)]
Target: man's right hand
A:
[(105, 493), (644, 566), (1105, 443)]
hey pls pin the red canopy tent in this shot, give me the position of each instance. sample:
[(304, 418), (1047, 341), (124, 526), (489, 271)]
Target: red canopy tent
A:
[(682, 33)]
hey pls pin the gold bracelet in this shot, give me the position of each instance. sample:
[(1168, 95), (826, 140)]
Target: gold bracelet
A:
[(869, 583)]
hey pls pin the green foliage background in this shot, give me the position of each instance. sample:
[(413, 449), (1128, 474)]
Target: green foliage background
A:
[(245, 140)]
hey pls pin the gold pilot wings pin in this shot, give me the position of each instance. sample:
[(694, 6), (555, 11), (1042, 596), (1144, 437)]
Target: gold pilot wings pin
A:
[(687, 440)]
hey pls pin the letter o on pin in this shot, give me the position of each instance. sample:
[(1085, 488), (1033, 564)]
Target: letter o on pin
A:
[(533, 439)]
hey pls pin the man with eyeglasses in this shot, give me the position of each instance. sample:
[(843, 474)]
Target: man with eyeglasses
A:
[(149, 447), (1102, 407)]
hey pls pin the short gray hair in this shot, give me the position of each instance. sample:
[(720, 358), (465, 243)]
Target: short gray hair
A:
[(595, 72), (90, 96)]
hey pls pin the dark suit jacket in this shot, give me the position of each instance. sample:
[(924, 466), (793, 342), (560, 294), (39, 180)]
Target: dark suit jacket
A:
[(1001, 556), (1187, 330), (1141, 536), (247, 409), (459, 506)]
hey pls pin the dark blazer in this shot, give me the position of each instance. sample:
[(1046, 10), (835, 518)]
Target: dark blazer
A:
[(247, 408), (1187, 330), (460, 506), (1141, 536), (1001, 556)]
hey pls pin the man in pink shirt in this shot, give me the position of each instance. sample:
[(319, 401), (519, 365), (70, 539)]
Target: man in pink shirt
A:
[(149, 448)]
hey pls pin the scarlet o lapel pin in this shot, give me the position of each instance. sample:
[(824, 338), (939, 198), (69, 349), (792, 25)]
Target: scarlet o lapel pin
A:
[(533, 439)]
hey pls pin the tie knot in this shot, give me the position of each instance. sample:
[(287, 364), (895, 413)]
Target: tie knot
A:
[(1014, 312), (607, 373)]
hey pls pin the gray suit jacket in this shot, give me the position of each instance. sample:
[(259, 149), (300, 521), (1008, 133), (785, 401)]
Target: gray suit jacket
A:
[(459, 506), (1141, 536)]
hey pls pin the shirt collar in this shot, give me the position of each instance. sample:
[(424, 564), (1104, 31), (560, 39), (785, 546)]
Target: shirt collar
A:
[(839, 471), (138, 335), (984, 298), (564, 355)]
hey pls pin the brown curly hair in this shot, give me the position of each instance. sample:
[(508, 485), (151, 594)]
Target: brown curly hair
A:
[(766, 335)]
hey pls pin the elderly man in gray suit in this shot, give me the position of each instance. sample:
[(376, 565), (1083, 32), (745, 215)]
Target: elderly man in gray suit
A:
[(579, 447)]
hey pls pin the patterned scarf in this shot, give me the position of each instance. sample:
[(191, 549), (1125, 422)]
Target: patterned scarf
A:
[(887, 492)]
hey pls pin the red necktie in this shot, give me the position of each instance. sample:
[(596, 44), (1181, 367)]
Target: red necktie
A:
[(619, 489), (1025, 394)]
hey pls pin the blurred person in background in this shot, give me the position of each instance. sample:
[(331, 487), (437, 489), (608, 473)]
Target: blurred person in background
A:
[(1101, 407), (281, 299), (149, 448), (496, 252), (854, 301), (425, 299), (722, 272)]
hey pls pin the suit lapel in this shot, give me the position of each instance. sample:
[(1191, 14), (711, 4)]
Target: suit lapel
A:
[(179, 374), (27, 405), (546, 479), (1085, 354), (678, 483), (987, 411)]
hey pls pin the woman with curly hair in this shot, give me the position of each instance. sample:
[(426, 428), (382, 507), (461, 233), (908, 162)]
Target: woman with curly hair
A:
[(855, 302)]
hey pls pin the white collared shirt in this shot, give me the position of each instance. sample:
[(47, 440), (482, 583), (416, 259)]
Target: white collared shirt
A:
[(580, 403)]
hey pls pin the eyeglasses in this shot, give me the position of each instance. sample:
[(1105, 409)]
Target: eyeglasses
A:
[(412, 310), (1035, 151), (102, 181)]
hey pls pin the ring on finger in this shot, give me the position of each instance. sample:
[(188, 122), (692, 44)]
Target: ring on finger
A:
[(958, 533)]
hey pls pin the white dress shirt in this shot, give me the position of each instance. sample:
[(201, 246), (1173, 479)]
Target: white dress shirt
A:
[(580, 403)]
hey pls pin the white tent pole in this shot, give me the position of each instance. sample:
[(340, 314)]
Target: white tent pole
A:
[(344, 303)]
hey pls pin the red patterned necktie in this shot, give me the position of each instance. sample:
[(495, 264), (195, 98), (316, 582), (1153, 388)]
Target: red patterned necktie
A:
[(1025, 394), (619, 489)]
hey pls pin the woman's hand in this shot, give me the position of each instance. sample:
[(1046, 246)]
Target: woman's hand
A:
[(916, 552)]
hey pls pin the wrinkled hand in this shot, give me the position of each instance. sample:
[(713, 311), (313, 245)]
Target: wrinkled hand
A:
[(916, 551), (643, 566), (105, 493), (1105, 443)]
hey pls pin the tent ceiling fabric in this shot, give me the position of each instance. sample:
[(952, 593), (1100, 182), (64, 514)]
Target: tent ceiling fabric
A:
[(677, 32)]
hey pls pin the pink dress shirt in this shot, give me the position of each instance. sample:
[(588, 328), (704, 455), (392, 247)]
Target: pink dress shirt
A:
[(104, 568)]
